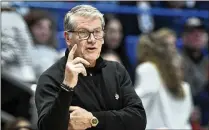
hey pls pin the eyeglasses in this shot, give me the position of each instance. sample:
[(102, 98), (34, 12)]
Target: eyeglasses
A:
[(85, 34)]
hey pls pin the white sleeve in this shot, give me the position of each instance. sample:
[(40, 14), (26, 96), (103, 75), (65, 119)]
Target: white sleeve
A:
[(189, 107), (188, 97), (147, 82)]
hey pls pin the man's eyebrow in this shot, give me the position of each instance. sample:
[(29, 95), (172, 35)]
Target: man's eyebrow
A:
[(98, 28)]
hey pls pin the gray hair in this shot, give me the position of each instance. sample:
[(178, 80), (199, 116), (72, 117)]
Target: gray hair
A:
[(81, 10)]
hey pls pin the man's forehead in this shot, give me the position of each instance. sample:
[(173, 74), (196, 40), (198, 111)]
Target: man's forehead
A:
[(87, 22), (195, 30)]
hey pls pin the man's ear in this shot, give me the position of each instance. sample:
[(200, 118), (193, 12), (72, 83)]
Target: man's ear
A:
[(68, 38)]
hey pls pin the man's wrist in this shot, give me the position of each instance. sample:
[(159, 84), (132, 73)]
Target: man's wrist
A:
[(101, 116), (68, 83), (94, 121)]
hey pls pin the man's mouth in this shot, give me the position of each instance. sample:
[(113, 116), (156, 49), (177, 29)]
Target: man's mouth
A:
[(91, 48)]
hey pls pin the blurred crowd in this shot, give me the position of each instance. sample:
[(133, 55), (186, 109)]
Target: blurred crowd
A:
[(171, 81)]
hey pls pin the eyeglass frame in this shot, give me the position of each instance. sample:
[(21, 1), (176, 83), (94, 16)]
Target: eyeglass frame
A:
[(90, 32)]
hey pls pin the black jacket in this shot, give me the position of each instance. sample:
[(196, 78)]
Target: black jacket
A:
[(126, 113)]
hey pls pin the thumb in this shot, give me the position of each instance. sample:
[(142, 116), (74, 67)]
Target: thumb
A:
[(73, 108)]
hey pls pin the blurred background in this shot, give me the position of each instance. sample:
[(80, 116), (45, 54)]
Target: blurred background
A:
[(32, 40)]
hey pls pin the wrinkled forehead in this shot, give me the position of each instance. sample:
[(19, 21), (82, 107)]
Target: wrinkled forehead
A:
[(87, 22)]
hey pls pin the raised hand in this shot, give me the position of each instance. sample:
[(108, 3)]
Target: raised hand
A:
[(73, 68)]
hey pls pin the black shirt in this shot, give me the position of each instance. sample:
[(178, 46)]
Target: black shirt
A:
[(106, 92), (93, 88)]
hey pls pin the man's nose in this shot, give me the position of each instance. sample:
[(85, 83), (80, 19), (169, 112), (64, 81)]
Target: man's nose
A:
[(91, 39)]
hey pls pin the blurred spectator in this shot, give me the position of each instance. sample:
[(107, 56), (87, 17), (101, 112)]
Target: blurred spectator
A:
[(202, 102), (16, 45), (159, 83), (19, 124), (195, 63), (145, 20), (42, 27), (169, 36), (114, 42), (114, 34)]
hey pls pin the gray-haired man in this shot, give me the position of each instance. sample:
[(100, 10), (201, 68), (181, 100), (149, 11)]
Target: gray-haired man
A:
[(82, 90)]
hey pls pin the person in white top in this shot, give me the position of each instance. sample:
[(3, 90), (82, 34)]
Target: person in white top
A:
[(16, 44), (166, 98), (43, 29)]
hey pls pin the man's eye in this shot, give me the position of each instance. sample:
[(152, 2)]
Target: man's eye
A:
[(83, 33), (97, 31)]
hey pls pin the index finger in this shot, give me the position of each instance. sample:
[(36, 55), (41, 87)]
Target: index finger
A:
[(72, 52)]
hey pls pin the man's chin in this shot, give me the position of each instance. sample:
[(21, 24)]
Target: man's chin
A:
[(91, 60)]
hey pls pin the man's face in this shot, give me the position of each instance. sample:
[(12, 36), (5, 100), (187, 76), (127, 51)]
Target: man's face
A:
[(42, 31), (90, 48), (171, 40), (195, 39), (114, 34)]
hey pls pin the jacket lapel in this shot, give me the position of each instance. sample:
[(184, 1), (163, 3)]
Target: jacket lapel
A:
[(111, 87)]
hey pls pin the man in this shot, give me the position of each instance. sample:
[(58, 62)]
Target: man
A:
[(82, 90), (195, 62)]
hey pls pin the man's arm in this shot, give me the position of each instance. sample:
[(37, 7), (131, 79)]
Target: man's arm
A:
[(52, 104), (132, 116)]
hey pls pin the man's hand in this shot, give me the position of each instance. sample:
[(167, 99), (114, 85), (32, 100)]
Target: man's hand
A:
[(79, 118), (73, 68)]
